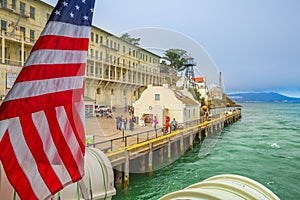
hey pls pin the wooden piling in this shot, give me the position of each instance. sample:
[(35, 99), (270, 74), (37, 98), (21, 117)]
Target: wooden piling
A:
[(150, 157), (169, 149), (126, 170), (181, 144)]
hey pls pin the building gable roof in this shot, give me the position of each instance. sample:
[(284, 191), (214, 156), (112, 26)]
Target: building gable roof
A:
[(184, 99)]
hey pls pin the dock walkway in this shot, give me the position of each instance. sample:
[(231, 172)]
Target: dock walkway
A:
[(138, 146)]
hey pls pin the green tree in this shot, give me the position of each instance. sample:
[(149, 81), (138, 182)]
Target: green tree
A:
[(126, 37), (176, 58)]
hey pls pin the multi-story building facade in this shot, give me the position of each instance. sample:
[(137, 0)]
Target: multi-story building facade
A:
[(116, 72)]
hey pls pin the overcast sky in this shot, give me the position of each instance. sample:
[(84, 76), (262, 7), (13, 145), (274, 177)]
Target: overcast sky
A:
[(254, 43)]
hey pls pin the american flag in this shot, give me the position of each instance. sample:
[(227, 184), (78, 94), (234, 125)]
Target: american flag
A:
[(42, 117)]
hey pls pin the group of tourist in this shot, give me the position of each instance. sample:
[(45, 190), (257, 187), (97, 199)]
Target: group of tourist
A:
[(121, 122)]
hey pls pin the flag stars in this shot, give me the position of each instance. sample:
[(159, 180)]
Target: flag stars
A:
[(77, 7), (65, 4), (83, 1), (72, 15), (92, 10), (85, 17), (57, 12)]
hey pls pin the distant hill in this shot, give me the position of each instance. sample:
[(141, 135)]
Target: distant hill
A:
[(261, 97)]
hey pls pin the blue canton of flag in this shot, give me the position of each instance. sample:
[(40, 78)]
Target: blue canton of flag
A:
[(78, 12)]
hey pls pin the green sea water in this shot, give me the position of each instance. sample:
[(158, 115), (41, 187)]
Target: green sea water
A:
[(264, 145)]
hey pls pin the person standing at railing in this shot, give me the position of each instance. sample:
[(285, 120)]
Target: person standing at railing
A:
[(174, 124), (155, 122), (131, 123)]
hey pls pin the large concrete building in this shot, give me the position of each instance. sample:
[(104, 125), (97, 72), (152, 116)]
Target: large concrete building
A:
[(117, 71)]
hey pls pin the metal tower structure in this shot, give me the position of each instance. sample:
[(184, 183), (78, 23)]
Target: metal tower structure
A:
[(189, 68)]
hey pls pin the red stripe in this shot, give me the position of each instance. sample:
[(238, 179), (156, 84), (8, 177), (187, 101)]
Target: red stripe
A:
[(14, 108), (77, 125), (13, 170), (62, 146), (40, 72), (61, 43), (35, 144)]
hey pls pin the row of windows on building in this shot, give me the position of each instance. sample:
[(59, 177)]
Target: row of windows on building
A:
[(142, 67), (90, 71), (22, 30), (116, 46), (22, 7), (109, 58)]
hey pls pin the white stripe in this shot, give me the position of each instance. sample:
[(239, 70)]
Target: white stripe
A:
[(68, 30), (26, 160), (70, 138), (81, 110), (3, 127), (46, 86), (40, 121), (39, 57)]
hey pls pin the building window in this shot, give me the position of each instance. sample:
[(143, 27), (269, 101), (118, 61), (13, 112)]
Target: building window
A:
[(32, 12), (92, 36), (96, 71), (129, 51), (31, 35), (3, 3), (13, 4), (115, 45), (107, 42), (22, 8), (97, 54), (97, 38), (101, 39), (101, 54), (111, 44), (23, 31), (118, 47), (3, 25), (123, 49), (157, 97), (92, 53)]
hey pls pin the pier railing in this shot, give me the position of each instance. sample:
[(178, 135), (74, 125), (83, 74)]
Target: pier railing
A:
[(136, 138), (126, 140)]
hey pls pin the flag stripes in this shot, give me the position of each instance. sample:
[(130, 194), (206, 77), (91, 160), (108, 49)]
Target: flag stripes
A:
[(40, 121), (56, 57), (26, 160), (38, 103), (46, 86), (69, 136), (60, 43), (53, 71), (76, 124), (62, 147), (19, 180), (67, 30), (35, 144)]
